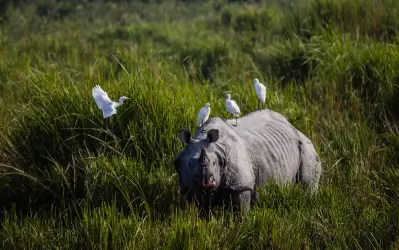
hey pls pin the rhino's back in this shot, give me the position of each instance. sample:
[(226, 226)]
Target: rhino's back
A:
[(263, 145), (272, 143)]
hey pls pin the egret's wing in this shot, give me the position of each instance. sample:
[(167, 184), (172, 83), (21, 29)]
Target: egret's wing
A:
[(107, 112), (260, 90), (101, 97), (228, 106), (232, 107), (235, 107), (201, 116)]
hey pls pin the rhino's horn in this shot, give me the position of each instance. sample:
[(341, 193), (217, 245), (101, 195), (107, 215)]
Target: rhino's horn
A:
[(202, 157)]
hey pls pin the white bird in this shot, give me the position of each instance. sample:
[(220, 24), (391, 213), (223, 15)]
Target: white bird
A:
[(232, 107), (260, 91), (203, 114), (104, 103)]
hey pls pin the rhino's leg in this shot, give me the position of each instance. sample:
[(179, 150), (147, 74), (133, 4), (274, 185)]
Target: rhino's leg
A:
[(204, 207), (242, 202), (204, 212), (185, 201), (201, 201), (254, 197), (182, 202), (310, 167)]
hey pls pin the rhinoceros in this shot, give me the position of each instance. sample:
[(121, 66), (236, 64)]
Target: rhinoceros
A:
[(225, 163)]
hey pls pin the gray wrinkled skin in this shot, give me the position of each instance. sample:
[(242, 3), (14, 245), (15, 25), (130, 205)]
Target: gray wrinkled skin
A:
[(225, 163)]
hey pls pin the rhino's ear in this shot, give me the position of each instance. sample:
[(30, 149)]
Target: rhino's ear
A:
[(185, 136), (213, 135)]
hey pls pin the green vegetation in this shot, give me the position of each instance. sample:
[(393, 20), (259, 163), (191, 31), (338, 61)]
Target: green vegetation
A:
[(69, 180)]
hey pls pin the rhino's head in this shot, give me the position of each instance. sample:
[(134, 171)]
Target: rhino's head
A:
[(199, 164)]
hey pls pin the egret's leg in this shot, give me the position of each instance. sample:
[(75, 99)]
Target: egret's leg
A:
[(109, 122), (229, 117), (105, 124), (236, 121), (105, 128)]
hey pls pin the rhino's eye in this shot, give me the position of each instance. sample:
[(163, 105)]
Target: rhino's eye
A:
[(190, 165), (214, 162)]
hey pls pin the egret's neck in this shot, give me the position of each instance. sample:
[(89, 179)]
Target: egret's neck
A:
[(119, 103)]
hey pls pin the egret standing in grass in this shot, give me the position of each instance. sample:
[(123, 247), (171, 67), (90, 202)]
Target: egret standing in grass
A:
[(104, 103), (260, 91), (203, 114), (232, 107)]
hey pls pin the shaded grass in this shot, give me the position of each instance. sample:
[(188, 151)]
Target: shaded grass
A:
[(322, 223)]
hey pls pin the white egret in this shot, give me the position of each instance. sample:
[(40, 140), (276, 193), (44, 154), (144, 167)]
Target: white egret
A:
[(203, 114), (232, 107), (104, 103), (260, 91)]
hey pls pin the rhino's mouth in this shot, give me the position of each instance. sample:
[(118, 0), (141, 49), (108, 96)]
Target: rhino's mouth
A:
[(208, 186), (211, 184)]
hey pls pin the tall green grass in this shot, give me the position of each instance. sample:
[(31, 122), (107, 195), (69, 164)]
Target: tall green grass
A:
[(70, 179)]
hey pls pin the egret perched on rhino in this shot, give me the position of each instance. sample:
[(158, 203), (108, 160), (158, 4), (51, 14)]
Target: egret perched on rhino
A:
[(260, 91), (232, 107), (227, 163), (203, 114)]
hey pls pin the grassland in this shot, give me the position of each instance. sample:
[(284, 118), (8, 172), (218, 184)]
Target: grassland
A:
[(70, 181)]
